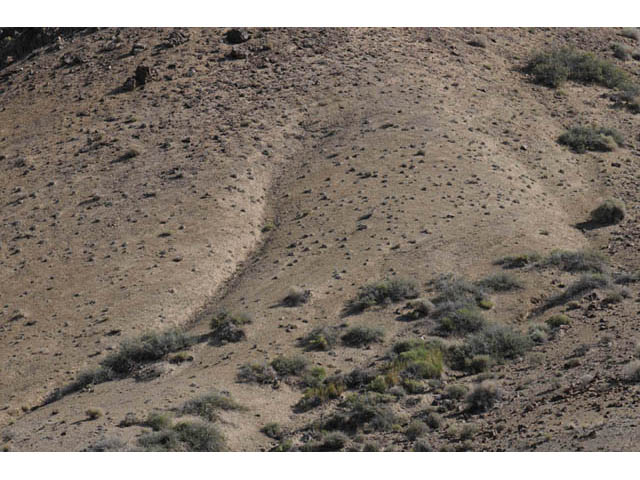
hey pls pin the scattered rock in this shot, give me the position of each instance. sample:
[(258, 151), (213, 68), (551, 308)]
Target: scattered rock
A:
[(237, 35)]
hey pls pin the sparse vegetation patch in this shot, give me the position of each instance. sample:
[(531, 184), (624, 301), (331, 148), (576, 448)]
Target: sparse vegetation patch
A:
[(380, 293), (589, 138)]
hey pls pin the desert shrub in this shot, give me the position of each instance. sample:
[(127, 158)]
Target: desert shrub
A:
[(108, 444), (330, 389), (166, 440), (380, 293), (226, 327), (625, 278), (518, 261), (331, 442), (147, 348), (296, 296), (500, 282), (461, 322), (456, 391), (256, 373), (631, 372), (621, 51), (632, 33), (422, 445), (320, 338), (433, 420), (207, 406), (157, 421), (609, 212), (538, 332), (362, 336), (360, 377), (557, 320), (94, 413), (313, 377), (200, 437), (420, 308), (479, 363), (365, 411), (555, 67), (484, 396), (416, 429), (584, 284), (455, 290), (485, 304), (499, 341), (273, 430), (378, 384), (285, 366), (576, 261), (180, 357), (84, 379), (413, 387), (420, 362), (587, 138)]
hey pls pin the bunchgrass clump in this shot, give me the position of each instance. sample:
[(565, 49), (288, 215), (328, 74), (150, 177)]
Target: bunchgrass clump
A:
[(285, 366), (256, 373), (420, 308), (418, 360), (576, 261), (632, 33), (501, 342), (156, 421), (590, 138), (146, 348), (558, 320), (500, 282), (416, 429), (329, 389), (621, 51), (194, 436), (365, 412), (609, 212), (381, 293), (320, 338), (207, 406), (273, 430), (484, 396), (94, 413), (461, 321), (362, 336)]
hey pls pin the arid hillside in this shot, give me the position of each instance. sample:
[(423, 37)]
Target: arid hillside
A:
[(320, 239)]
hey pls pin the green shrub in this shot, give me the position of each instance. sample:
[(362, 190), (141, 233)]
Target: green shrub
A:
[(207, 406), (314, 377), (456, 290), (380, 293), (225, 327), (420, 362), (185, 437), (157, 421), (420, 308), (555, 67), (285, 366), (484, 396), (499, 341), (256, 373), (500, 282), (362, 336), (557, 320), (320, 338), (330, 389), (360, 377), (461, 322), (609, 212), (596, 139), (518, 261), (576, 261), (108, 444), (479, 363), (416, 429), (378, 384), (331, 442), (539, 332), (273, 430), (365, 412), (147, 348), (621, 51), (456, 391), (413, 387), (434, 420)]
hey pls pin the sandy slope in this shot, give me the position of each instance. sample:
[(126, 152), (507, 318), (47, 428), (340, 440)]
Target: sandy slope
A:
[(448, 147)]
